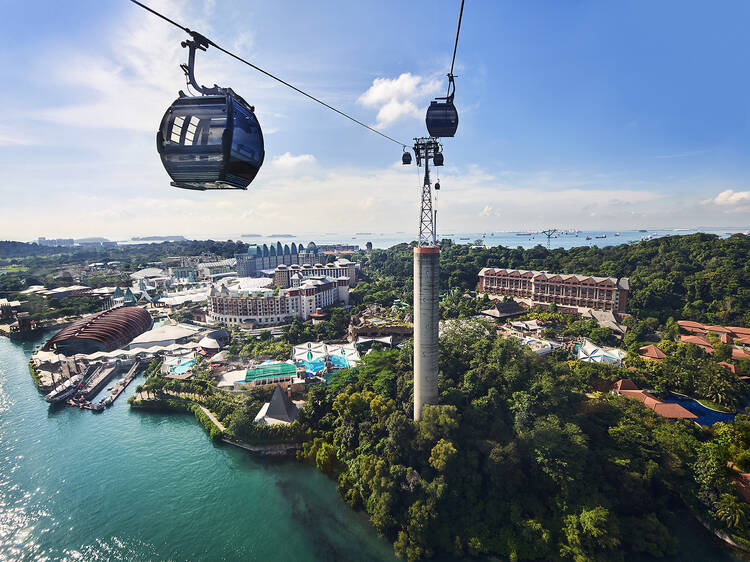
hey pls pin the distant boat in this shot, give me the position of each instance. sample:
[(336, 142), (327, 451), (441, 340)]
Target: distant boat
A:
[(525, 233), (588, 238), (464, 238), (602, 236), (617, 233)]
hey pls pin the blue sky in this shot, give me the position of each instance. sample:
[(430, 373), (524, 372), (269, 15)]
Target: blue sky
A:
[(575, 114)]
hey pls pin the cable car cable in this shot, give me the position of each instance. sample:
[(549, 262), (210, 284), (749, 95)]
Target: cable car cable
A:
[(458, 30), (248, 63)]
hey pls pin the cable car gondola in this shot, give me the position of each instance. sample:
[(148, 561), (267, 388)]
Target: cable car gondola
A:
[(442, 117), (211, 141)]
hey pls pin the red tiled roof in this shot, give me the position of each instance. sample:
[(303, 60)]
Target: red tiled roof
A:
[(697, 340), (743, 340), (689, 324), (728, 366), (673, 411), (739, 330), (640, 395), (625, 384), (651, 352), (739, 354), (717, 329)]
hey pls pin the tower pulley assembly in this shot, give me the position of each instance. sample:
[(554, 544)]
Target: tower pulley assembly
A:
[(212, 140)]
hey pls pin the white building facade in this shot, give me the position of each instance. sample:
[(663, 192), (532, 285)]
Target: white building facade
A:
[(266, 307)]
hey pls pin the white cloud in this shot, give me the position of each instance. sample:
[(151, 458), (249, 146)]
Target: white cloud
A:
[(9, 138), (730, 197), (288, 160), (399, 97)]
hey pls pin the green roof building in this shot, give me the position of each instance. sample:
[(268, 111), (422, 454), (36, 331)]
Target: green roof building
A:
[(268, 373)]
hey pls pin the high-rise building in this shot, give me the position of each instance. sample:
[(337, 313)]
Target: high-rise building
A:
[(259, 258)]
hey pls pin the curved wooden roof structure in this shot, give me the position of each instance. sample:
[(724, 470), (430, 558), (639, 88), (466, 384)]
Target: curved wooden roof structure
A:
[(108, 330)]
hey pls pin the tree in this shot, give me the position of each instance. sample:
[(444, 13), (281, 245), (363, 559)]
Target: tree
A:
[(592, 534), (731, 512)]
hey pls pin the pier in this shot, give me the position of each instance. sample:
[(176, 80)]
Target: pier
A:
[(120, 387), (99, 379)]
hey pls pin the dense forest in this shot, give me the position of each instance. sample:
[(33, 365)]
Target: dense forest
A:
[(699, 277), (522, 459)]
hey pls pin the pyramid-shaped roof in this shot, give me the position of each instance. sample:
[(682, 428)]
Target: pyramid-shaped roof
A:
[(281, 406)]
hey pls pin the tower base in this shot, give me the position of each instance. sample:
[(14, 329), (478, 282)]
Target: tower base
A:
[(426, 323)]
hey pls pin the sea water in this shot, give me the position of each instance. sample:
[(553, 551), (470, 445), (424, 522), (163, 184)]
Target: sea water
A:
[(134, 485)]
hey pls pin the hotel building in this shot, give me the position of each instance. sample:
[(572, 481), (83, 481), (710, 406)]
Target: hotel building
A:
[(259, 258), (577, 293), (266, 307), (288, 275)]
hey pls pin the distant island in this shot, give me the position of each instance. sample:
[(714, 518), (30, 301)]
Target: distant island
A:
[(157, 238), (363, 233), (252, 236)]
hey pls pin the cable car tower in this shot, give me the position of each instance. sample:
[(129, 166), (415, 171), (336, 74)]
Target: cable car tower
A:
[(426, 281)]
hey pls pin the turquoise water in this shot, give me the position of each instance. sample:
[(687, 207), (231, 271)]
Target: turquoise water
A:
[(127, 485), (182, 368), (318, 365)]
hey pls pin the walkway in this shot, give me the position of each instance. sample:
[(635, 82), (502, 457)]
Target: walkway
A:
[(217, 423), (186, 396)]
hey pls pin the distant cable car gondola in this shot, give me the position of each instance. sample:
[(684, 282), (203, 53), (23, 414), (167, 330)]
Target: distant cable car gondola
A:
[(211, 141), (442, 117)]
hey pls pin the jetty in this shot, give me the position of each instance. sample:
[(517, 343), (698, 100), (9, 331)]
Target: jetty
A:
[(121, 385), (99, 379)]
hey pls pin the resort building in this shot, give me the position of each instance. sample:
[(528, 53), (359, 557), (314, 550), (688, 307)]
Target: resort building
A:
[(291, 275), (162, 336), (267, 307), (103, 331), (259, 258), (570, 292), (280, 410), (592, 353), (217, 269), (321, 358), (627, 388), (376, 321), (182, 274), (651, 353)]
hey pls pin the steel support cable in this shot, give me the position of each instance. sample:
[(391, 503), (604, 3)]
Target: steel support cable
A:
[(284, 82), (458, 31)]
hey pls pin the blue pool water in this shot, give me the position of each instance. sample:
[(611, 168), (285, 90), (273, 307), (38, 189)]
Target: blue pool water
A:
[(706, 416), (182, 368), (317, 366)]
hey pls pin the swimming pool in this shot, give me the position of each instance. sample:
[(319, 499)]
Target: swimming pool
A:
[(318, 365), (706, 416), (182, 368)]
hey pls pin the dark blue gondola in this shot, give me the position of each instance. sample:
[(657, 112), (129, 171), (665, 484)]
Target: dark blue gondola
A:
[(442, 117), (211, 141)]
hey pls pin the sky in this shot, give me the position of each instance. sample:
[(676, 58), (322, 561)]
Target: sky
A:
[(579, 114)]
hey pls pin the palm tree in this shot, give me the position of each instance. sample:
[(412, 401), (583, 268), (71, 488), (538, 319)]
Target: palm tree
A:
[(731, 512)]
